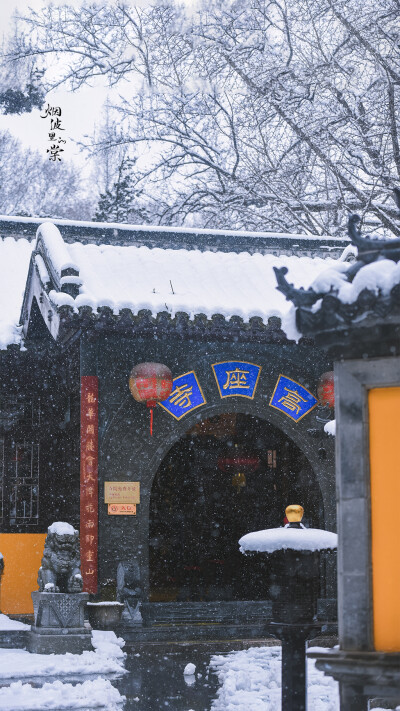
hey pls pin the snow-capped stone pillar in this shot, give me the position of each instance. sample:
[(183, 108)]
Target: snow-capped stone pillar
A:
[(294, 568)]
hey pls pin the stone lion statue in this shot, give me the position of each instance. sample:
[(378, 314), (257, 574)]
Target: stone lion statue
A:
[(60, 570)]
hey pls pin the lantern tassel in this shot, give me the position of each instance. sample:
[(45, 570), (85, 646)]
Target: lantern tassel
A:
[(151, 404)]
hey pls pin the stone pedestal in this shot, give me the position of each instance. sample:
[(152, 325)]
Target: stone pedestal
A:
[(361, 675), (105, 615), (59, 625)]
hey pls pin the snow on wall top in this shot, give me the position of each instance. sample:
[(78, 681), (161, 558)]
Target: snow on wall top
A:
[(190, 281), (14, 264), (120, 226), (298, 539)]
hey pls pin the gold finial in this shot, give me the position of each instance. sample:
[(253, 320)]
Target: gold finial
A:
[(294, 513)]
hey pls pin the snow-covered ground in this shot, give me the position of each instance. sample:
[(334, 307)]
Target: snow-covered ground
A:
[(98, 693), (251, 681), (7, 624), (108, 658)]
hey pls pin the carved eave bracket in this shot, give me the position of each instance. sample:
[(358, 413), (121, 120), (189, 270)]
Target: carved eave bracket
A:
[(299, 297), (369, 249), (43, 284), (369, 324), (36, 299)]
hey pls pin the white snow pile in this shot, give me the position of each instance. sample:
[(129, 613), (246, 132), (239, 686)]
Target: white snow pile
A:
[(108, 644), (330, 428), (107, 659), (298, 539), (14, 263), (189, 669), (380, 276), (56, 695), (175, 280), (251, 680), (61, 528), (55, 247), (7, 624)]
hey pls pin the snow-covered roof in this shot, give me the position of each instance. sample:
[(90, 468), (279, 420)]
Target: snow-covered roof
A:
[(177, 280), (169, 280), (89, 277), (14, 263)]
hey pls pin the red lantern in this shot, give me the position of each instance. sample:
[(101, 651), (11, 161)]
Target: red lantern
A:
[(150, 383), (325, 390)]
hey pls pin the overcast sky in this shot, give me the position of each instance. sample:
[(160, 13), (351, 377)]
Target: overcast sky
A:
[(80, 110)]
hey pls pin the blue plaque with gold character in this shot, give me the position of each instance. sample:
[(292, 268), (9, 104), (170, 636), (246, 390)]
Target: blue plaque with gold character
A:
[(236, 378), (185, 397), (292, 398)]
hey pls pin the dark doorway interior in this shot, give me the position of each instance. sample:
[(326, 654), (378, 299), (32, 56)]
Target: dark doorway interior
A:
[(229, 475)]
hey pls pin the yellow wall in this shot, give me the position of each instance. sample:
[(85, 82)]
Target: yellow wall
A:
[(384, 433), (22, 554)]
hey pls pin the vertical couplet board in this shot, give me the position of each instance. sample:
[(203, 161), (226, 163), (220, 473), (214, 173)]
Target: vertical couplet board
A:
[(384, 434), (89, 482)]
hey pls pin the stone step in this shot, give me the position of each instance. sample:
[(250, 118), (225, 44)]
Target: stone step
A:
[(13, 639), (235, 612), (158, 634)]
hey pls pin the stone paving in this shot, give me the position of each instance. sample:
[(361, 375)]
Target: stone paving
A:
[(156, 680)]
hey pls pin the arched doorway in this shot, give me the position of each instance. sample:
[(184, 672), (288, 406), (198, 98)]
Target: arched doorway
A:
[(228, 475)]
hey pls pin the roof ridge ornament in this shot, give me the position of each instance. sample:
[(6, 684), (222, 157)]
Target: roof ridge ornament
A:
[(329, 309), (300, 297), (369, 250)]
